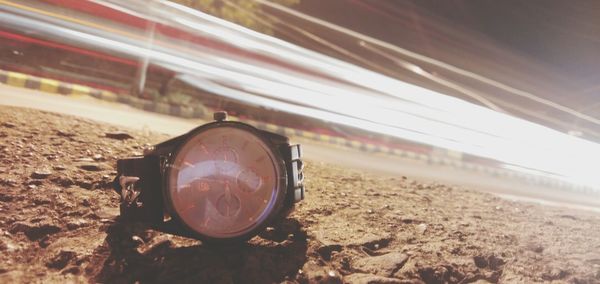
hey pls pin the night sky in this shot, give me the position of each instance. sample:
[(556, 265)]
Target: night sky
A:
[(563, 36)]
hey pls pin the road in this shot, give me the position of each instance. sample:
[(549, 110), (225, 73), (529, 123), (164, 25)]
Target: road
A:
[(315, 152)]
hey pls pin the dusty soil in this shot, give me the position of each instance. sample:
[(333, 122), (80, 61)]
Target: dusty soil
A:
[(58, 223)]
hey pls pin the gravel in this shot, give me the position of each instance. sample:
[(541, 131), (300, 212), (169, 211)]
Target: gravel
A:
[(60, 226)]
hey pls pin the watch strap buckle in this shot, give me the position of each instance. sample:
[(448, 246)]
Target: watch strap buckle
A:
[(129, 192)]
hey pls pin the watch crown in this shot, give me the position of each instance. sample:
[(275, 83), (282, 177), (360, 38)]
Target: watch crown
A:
[(220, 116)]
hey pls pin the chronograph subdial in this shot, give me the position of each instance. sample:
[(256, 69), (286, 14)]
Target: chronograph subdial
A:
[(225, 158), (248, 180)]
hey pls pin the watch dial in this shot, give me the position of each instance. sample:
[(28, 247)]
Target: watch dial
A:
[(223, 182)]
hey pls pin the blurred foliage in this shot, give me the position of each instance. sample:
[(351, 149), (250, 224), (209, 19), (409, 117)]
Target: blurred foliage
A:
[(243, 12)]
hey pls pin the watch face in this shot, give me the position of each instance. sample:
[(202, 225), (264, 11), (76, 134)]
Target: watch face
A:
[(224, 182)]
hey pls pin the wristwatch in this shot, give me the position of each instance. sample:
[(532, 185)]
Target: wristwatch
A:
[(224, 181)]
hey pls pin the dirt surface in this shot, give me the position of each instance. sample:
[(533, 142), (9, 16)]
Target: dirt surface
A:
[(58, 223)]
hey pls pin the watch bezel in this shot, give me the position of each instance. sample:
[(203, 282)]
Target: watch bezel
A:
[(281, 191)]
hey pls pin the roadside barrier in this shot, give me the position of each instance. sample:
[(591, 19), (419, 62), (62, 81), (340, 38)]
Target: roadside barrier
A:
[(57, 87)]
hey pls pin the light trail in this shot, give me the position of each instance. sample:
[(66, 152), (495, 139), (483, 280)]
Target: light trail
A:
[(383, 105), (432, 61)]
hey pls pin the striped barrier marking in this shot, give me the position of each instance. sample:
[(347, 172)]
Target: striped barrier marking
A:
[(272, 127), (78, 90), (309, 135), (16, 79), (370, 147), (109, 96), (49, 86)]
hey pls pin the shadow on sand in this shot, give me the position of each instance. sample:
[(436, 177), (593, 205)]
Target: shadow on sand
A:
[(276, 256)]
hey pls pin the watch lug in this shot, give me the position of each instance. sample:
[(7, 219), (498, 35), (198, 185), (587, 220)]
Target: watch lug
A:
[(296, 178)]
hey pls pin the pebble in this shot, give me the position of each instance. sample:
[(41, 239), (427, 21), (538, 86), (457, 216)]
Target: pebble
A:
[(76, 224), (118, 135), (480, 261), (91, 167), (41, 174), (362, 278), (8, 124), (554, 274), (421, 228), (315, 273), (61, 260), (383, 265), (34, 231), (59, 168), (64, 133), (535, 247)]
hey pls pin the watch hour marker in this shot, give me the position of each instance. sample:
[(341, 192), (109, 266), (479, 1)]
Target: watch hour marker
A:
[(203, 148)]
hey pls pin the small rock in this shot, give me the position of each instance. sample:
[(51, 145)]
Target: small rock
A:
[(44, 242), (371, 241), (8, 246), (421, 228), (327, 250), (554, 274), (315, 273), (480, 261), (568, 217), (384, 265), (61, 260), (34, 231), (8, 124), (362, 278), (76, 224), (8, 182), (118, 135), (535, 247), (59, 168), (86, 184), (41, 174), (32, 186), (64, 133), (91, 167), (6, 197), (157, 245), (435, 274), (63, 181), (37, 182), (76, 270), (495, 263), (98, 157)]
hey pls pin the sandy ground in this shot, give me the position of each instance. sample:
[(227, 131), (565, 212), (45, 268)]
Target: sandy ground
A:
[(58, 224)]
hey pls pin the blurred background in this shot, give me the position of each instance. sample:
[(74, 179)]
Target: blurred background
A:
[(498, 96)]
